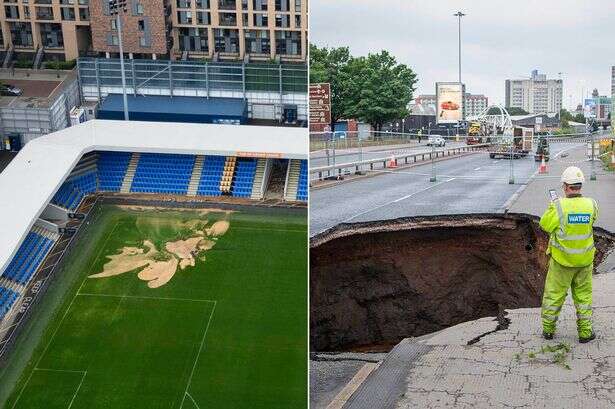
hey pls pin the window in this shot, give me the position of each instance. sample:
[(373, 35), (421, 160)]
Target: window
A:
[(21, 34), (115, 40), (203, 17), (140, 10), (142, 42), (11, 11), (244, 4), (288, 42), (84, 14), (282, 5), (260, 20), (297, 21), (202, 4), (184, 17), (282, 20), (68, 13), (226, 40), (297, 6), (259, 5), (257, 41), (184, 4), (113, 24), (193, 39), (141, 25), (227, 19)]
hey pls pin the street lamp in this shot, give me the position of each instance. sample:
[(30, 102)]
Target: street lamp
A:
[(115, 8), (459, 14)]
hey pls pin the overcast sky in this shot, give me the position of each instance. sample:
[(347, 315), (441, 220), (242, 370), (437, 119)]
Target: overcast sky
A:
[(500, 39)]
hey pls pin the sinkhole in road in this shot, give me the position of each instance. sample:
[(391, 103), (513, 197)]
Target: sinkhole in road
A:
[(373, 284)]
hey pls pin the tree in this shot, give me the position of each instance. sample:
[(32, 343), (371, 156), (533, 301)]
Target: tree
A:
[(375, 89), (380, 89), (511, 111), (329, 65)]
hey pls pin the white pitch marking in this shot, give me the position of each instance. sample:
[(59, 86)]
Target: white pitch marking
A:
[(196, 360), (77, 391), (193, 401), (144, 297)]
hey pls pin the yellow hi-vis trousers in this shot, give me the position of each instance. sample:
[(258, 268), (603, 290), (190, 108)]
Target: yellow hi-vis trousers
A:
[(559, 280)]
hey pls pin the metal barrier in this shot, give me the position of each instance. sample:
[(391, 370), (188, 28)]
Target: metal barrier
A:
[(336, 170)]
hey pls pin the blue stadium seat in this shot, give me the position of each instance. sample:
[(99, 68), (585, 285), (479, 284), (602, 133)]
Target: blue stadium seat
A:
[(28, 258), (112, 168), (72, 191), (213, 168), (243, 179), (302, 188), (7, 299), (163, 173)]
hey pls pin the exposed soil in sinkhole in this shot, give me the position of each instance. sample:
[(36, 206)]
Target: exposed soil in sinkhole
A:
[(373, 284)]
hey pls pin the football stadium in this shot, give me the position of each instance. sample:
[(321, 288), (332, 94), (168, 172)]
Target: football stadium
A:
[(155, 265)]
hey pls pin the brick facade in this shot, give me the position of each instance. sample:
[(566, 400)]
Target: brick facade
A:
[(148, 27)]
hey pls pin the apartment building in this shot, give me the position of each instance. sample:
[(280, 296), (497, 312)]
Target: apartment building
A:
[(258, 30), (236, 29), (537, 94), (60, 27)]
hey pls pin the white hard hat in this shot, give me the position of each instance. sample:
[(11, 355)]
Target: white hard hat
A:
[(573, 175)]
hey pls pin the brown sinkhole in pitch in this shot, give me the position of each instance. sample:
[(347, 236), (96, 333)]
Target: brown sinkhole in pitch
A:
[(373, 284)]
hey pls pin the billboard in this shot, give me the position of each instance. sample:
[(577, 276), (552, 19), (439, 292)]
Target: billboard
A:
[(449, 102), (589, 108)]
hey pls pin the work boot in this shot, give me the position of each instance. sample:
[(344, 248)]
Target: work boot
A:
[(586, 340), (547, 335)]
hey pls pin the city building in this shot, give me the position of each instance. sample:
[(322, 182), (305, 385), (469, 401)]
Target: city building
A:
[(256, 30), (44, 107), (536, 94), (613, 81), (475, 104)]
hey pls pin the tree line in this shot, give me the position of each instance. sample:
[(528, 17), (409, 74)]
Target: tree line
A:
[(375, 88)]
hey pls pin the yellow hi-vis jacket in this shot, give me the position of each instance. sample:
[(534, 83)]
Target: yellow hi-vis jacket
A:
[(569, 222)]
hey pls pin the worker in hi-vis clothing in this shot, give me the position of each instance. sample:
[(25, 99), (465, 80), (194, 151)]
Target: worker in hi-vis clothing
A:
[(569, 222)]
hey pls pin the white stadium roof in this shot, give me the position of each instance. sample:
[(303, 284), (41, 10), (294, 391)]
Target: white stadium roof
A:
[(30, 181)]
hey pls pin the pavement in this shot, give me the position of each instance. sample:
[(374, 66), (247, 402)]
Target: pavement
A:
[(507, 367), (472, 183)]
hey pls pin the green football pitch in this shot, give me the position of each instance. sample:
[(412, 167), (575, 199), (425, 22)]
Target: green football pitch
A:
[(228, 332)]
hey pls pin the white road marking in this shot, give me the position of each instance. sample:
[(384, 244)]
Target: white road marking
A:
[(396, 200)]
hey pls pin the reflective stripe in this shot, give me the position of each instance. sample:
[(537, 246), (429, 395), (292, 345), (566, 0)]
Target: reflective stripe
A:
[(584, 316), (548, 317), (551, 308), (560, 216), (571, 251), (583, 307), (578, 237)]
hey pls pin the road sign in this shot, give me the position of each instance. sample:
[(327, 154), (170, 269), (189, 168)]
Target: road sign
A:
[(320, 104)]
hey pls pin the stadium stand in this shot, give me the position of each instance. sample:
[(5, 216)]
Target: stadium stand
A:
[(74, 190), (163, 173), (244, 177), (111, 170), (213, 167), (302, 189), (29, 256), (7, 299)]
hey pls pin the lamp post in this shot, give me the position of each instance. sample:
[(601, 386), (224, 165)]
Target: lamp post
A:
[(116, 7), (459, 14)]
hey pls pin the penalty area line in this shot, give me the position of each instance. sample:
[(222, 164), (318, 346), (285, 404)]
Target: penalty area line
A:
[(145, 297)]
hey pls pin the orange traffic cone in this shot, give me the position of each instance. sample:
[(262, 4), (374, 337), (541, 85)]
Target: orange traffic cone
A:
[(543, 166), (392, 162), (612, 165)]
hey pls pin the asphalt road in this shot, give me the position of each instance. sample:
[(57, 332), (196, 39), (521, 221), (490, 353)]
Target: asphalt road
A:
[(468, 184), (319, 158)]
